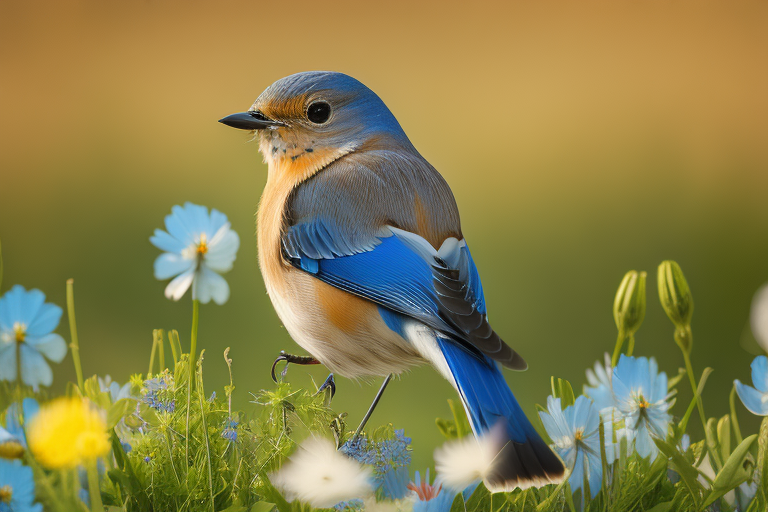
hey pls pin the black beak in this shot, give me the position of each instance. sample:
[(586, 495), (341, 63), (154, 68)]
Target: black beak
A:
[(251, 120)]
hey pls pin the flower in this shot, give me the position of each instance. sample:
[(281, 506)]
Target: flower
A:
[(17, 488), (199, 246), (16, 423), (600, 389), (27, 323), (230, 430), (758, 317), (575, 437), (465, 461), (116, 392), (158, 392), (755, 399), (642, 398), (321, 476), (67, 432), (430, 498), (390, 459), (629, 304)]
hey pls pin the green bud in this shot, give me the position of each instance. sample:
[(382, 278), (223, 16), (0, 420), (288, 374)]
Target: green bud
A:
[(629, 304), (675, 295)]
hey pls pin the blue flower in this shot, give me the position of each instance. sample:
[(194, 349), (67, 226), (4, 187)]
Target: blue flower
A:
[(756, 399), (27, 322), (158, 393), (430, 497), (230, 430), (575, 437), (15, 422), (600, 389), (198, 247), (17, 488), (116, 392), (642, 398), (390, 459)]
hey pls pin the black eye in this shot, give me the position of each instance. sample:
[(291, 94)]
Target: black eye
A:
[(319, 112)]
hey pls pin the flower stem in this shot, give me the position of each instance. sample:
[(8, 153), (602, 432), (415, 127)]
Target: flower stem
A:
[(694, 387), (93, 487), (193, 348), (631, 345), (161, 349), (152, 357), (734, 419), (75, 344), (617, 349)]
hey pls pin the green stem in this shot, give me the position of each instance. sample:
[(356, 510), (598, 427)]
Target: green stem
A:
[(734, 419), (200, 394), (152, 357), (93, 487), (193, 349), (161, 349), (694, 387), (75, 344), (631, 345), (617, 350)]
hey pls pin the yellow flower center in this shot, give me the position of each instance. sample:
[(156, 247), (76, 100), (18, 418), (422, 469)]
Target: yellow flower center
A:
[(20, 330), (579, 434), (202, 245), (6, 493), (642, 403)]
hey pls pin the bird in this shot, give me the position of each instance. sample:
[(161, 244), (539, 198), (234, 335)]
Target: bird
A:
[(363, 257)]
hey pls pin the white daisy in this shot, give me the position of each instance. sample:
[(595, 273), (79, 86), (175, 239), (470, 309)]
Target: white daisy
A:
[(465, 461), (320, 475)]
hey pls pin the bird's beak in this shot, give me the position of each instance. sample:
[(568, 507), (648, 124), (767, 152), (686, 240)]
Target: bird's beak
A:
[(251, 120)]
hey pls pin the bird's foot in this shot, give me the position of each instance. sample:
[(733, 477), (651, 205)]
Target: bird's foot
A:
[(290, 358), (330, 385)]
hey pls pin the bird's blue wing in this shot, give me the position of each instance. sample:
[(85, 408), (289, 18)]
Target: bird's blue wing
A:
[(400, 271)]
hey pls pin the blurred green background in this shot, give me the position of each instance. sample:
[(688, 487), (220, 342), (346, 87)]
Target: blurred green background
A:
[(580, 142)]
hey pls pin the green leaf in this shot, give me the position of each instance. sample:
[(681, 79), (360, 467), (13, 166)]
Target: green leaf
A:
[(562, 389), (149, 415), (447, 428), (260, 506), (458, 504), (688, 474), (699, 390), (460, 417), (480, 501), (662, 507), (119, 410), (734, 472)]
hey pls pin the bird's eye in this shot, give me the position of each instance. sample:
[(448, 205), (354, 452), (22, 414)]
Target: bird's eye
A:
[(319, 112)]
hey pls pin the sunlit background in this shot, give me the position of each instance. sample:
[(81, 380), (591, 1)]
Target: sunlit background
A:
[(580, 142)]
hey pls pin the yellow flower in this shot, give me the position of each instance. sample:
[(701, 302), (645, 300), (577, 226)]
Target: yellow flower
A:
[(68, 432)]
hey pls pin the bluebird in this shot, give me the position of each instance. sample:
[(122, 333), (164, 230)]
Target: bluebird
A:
[(363, 257)]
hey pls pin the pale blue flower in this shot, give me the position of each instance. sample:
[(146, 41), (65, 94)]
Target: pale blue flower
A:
[(116, 392), (390, 459), (575, 437), (15, 423), (430, 497), (642, 398), (599, 387), (756, 399), (27, 323), (17, 488), (199, 246)]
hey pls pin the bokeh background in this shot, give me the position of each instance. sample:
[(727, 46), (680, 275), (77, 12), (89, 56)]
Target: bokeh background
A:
[(581, 140)]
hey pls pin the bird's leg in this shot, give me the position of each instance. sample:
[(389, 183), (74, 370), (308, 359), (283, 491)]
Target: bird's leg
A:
[(329, 383), (371, 408), (289, 358)]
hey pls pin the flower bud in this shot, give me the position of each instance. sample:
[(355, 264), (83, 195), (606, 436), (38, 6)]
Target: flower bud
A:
[(675, 295), (629, 304)]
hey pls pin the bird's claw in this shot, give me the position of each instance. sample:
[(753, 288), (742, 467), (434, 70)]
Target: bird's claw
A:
[(329, 383), (290, 358)]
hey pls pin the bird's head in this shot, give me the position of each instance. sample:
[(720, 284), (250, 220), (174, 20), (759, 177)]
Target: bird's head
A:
[(307, 120)]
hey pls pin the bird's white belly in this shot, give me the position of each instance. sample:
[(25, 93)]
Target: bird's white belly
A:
[(344, 332)]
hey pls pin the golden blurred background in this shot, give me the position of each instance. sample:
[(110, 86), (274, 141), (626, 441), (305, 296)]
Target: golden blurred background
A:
[(581, 140)]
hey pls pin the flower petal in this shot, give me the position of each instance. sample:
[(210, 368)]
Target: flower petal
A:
[(760, 373), (166, 242), (179, 286), (171, 264), (34, 369), (210, 285), (752, 399), (46, 320), (20, 305), (51, 346), (222, 250), (8, 362)]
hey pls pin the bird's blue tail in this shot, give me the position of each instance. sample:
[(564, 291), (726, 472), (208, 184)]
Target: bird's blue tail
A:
[(525, 459)]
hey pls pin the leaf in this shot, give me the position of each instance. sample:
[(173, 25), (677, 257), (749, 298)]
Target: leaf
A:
[(447, 428), (480, 501), (682, 467), (259, 506), (713, 444), (662, 507), (460, 418), (119, 410), (149, 415), (563, 390), (458, 504), (700, 389), (724, 436), (733, 473)]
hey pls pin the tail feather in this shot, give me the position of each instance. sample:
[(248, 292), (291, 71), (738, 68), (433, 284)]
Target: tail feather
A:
[(525, 459)]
